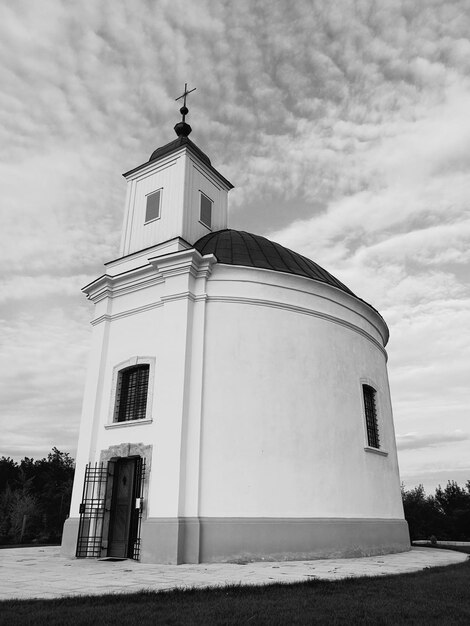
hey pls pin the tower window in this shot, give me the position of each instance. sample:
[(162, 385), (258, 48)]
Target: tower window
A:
[(152, 211), (131, 393), (206, 211), (370, 410)]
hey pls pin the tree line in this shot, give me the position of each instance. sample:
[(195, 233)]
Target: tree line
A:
[(444, 516), (35, 502), (35, 498)]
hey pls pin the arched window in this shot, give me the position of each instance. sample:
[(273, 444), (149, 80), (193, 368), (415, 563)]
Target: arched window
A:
[(131, 393), (370, 410)]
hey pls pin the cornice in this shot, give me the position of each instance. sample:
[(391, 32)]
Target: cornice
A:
[(314, 288), (145, 252), (107, 286), (158, 271), (141, 171), (109, 317), (184, 295), (183, 262), (299, 309)]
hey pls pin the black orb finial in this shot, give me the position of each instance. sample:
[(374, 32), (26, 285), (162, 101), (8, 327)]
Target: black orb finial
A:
[(181, 128)]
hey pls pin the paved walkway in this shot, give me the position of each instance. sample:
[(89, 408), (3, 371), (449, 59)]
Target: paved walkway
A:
[(44, 573)]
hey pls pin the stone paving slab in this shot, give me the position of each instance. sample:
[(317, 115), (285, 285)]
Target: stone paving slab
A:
[(43, 573)]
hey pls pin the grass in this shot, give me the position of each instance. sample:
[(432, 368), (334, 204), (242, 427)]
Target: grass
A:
[(433, 596)]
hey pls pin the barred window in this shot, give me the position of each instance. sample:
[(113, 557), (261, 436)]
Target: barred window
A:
[(131, 393), (370, 410)]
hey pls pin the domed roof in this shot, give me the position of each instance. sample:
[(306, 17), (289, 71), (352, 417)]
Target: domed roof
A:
[(237, 247)]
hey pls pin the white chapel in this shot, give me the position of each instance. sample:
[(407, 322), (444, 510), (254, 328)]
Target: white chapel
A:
[(237, 404)]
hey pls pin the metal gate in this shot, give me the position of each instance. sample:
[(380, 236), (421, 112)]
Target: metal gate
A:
[(136, 520), (94, 508), (90, 529)]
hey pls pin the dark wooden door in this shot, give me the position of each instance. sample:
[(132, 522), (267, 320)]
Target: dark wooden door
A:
[(122, 509)]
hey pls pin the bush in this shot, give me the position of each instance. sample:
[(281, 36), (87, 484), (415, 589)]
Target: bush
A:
[(35, 498), (445, 516)]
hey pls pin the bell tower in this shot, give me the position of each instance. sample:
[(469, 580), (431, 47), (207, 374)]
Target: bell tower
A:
[(175, 198)]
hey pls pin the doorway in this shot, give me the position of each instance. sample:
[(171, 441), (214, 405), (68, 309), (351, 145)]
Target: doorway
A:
[(125, 508)]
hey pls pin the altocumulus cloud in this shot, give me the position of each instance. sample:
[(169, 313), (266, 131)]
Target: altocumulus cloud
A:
[(413, 441), (344, 126)]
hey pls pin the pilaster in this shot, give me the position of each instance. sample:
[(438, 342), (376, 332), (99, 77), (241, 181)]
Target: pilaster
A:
[(176, 465)]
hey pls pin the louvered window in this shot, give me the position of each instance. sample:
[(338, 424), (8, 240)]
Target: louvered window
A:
[(206, 211), (371, 416), (152, 209), (131, 393)]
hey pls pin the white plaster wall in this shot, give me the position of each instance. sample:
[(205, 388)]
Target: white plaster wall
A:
[(283, 426), (257, 405), (125, 337), (158, 333), (167, 175), (200, 179)]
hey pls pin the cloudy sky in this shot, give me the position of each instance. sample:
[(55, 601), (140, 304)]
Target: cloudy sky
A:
[(345, 128)]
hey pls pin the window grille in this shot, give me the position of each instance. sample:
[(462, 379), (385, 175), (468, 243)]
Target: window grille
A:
[(131, 393), (371, 416)]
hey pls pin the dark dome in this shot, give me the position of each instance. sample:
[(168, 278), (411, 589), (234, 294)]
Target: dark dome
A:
[(236, 247)]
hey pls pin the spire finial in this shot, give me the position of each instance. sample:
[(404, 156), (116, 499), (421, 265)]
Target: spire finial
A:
[(181, 128)]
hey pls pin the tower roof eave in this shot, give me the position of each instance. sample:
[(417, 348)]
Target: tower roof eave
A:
[(173, 146)]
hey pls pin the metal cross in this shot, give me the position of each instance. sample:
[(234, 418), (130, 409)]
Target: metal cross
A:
[(186, 92), (184, 109)]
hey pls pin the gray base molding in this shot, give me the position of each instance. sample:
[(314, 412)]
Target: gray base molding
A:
[(68, 546), (245, 539), (218, 540)]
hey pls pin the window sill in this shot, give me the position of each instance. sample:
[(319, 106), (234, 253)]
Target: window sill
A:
[(375, 451), (128, 423), (205, 225)]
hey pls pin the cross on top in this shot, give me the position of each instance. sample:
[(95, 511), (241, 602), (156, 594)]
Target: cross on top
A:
[(184, 109)]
